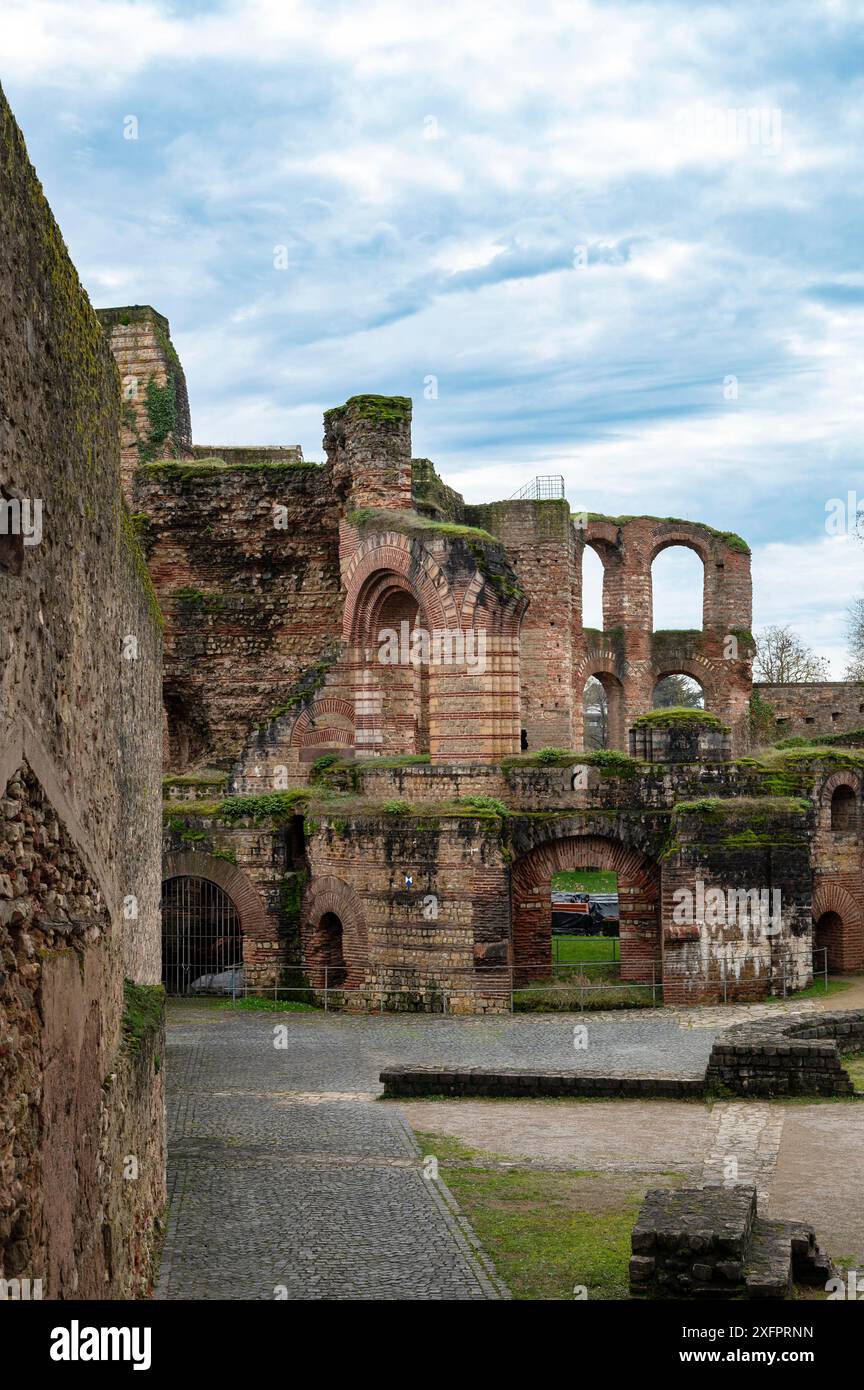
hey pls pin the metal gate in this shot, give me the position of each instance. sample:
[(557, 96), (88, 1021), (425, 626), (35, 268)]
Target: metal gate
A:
[(201, 937)]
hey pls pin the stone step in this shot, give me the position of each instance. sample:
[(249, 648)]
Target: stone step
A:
[(768, 1265)]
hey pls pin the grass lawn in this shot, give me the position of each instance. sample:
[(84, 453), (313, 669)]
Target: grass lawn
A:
[(815, 991), (854, 1064), (569, 949), (547, 1233), (585, 881), (251, 1002)]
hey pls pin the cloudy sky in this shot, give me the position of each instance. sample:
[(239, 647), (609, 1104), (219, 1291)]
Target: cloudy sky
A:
[(620, 242)]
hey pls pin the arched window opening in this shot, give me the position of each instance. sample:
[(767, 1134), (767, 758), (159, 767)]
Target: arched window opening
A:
[(677, 587), (592, 589), (603, 712), (844, 809), (400, 694), (202, 944), (677, 691)]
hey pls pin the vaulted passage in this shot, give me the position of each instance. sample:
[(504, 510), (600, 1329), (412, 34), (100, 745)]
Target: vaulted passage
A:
[(201, 936), (638, 904)]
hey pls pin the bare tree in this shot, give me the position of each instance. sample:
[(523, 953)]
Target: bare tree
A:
[(782, 658), (596, 708), (855, 633)]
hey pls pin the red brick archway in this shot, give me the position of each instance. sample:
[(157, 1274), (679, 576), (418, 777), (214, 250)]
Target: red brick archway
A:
[(255, 929), (333, 934), (638, 902), (838, 924)]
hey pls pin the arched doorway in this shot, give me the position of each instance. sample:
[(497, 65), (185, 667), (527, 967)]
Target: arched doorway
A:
[(202, 943), (638, 881), (828, 937), (844, 809), (331, 951)]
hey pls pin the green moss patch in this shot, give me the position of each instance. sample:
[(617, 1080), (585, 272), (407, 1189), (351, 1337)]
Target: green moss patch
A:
[(678, 715), (143, 1013)]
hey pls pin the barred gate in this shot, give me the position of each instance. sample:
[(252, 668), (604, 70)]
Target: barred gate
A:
[(201, 936)]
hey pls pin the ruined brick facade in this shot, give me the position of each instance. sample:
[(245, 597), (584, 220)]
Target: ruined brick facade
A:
[(352, 770)]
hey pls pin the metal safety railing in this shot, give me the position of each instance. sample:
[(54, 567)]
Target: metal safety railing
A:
[(563, 986), (546, 487)]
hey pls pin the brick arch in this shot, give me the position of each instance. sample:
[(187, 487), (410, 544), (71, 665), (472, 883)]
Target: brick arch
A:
[(402, 562), (846, 946), (638, 902), (231, 879), (604, 666), (683, 538), (832, 784), (329, 894), (503, 616), (305, 732), (701, 669)]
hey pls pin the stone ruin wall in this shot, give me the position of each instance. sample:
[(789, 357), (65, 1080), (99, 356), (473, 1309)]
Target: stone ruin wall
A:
[(78, 823), (810, 708)]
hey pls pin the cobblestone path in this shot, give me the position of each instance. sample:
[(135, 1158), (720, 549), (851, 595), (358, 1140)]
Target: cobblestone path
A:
[(280, 1191), (743, 1146), (288, 1178)]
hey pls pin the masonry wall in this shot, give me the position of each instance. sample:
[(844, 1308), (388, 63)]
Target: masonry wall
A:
[(80, 650), (154, 418), (540, 543), (245, 560), (810, 708)]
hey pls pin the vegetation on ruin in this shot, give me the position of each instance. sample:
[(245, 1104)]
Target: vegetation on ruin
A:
[(307, 685), (427, 490), (130, 540), (728, 538), (384, 519), (204, 778), (379, 410), (609, 761), (291, 896), (397, 807), (758, 808), (143, 1013), (483, 803), (680, 715), (189, 597), (484, 548)]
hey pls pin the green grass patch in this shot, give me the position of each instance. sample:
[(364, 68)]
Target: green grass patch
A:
[(548, 1233), (854, 1064), (568, 950), (815, 991), (585, 881), (258, 1003)]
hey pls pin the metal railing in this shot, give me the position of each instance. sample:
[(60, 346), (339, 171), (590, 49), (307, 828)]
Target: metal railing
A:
[(568, 986), (546, 487)]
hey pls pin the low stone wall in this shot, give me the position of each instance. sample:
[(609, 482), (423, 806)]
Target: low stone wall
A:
[(450, 1081), (787, 1056), (709, 1242)]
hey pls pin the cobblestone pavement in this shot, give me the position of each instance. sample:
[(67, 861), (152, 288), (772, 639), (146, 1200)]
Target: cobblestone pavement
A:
[(743, 1146), (287, 1179), (286, 1173)]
